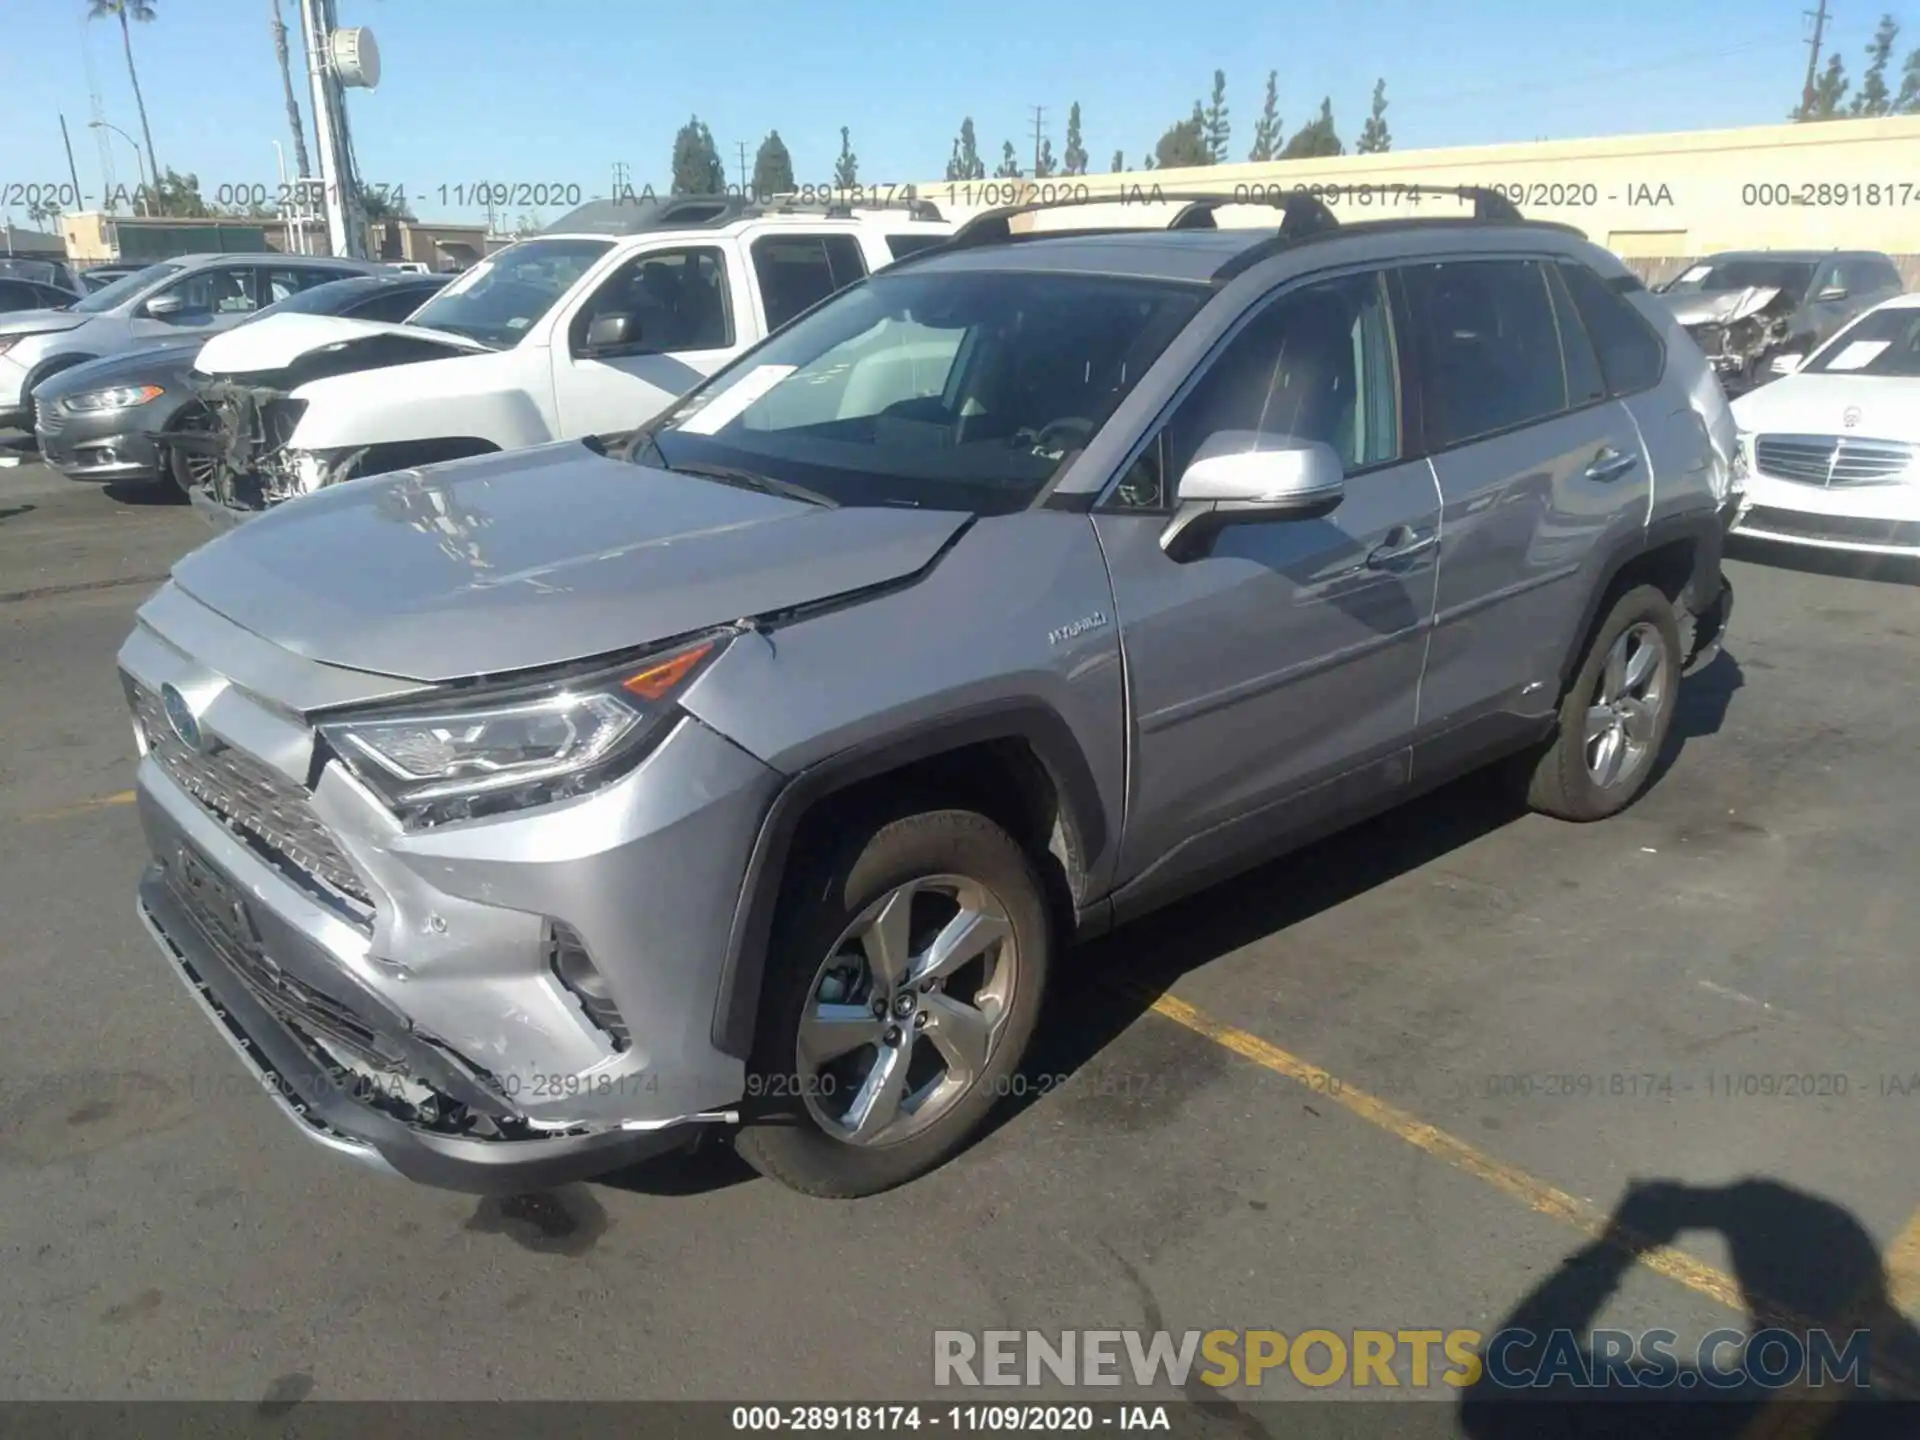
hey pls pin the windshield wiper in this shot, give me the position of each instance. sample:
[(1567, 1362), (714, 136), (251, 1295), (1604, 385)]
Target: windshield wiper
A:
[(749, 480)]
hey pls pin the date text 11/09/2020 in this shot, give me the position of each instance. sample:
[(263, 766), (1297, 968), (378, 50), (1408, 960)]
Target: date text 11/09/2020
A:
[(961, 1419)]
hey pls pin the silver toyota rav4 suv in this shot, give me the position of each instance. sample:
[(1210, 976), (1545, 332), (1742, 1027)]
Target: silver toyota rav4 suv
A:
[(522, 816)]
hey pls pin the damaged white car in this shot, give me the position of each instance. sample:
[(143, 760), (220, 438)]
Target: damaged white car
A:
[(592, 328), (1757, 314)]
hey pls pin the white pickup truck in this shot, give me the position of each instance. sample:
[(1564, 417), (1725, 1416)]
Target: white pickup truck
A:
[(591, 328)]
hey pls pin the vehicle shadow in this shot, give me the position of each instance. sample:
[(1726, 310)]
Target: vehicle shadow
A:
[(1802, 1263), (1100, 989), (711, 1164), (1701, 710), (144, 492), (1843, 564), (8, 512)]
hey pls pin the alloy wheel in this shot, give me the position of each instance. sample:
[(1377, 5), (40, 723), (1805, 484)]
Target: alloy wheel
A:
[(1623, 720), (906, 1009)]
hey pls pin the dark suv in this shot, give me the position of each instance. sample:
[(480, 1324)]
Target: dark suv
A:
[(521, 815), (1759, 313)]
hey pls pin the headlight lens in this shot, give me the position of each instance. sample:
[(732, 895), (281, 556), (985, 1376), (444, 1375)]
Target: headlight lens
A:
[(528, 748), (120, 397)]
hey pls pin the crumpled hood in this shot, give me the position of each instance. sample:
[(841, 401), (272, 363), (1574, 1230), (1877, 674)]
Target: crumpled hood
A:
[(29, 322), (1721, 307), (537, 557), (275, 342)]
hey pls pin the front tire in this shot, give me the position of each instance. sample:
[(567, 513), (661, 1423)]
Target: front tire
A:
[(905, 976), (1616, 714)]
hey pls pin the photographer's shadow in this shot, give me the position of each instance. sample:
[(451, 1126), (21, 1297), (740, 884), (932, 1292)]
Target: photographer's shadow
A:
[(1800, 1261)]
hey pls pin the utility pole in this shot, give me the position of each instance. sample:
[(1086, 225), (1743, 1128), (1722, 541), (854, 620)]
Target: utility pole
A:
[(743, 167), (622, 181), (1039, 115), (345, 237), (79, 200), (1813, 56)]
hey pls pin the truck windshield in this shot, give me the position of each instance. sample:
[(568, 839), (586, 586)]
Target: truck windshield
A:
[(500, 299), (1883, 342), (955, 390)]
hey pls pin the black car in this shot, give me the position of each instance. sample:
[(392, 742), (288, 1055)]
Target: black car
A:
[(110, 419)]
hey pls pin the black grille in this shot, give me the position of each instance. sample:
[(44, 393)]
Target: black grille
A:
[(1831, 459), (258, 804), (222, 914), (1841, 529)]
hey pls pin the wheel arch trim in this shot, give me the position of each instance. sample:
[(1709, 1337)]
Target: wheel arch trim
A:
[(1037, 724)]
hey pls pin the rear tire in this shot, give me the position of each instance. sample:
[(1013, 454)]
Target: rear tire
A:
[(1615, 715), (923, 1052)]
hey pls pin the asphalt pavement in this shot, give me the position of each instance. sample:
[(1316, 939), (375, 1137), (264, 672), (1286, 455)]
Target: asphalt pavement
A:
[(1395, 1081)]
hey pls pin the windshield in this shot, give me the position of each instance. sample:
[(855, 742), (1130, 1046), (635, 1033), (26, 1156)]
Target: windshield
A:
[(953, 390), (499, 300), (124, 288), (1881, 342), (1713, 277)]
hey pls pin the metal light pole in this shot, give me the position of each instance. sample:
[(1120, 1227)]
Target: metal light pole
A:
[(337, 59), (139, 160)]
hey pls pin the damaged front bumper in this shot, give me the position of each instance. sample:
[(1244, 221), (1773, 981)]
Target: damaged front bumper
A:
[(255, 467)]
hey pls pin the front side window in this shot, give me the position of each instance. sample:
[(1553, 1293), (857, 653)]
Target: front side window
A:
[(959, 390), (505, 295), (221, 290), (1883, 342), (676, 299), (797, 272), (1490, 355), (1316, 364)]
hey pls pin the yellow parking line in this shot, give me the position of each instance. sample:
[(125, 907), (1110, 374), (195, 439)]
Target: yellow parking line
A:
[(1786, 1415), (125, 797), (1536, 1195)]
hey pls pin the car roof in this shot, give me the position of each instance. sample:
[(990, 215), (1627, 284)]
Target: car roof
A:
[(1811, 257)]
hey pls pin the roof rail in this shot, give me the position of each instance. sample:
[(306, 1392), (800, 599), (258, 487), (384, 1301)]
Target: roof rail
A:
[(1303, 214), (628, 214)]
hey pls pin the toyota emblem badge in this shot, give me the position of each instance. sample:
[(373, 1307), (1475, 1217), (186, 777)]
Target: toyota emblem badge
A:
[(180, 716)]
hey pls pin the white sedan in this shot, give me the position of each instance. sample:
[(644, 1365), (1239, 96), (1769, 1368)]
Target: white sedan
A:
[(1833, 450)]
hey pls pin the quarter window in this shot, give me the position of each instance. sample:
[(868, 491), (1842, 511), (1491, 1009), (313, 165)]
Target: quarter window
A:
[(1631, 356), (797, 272), (1490, 348)]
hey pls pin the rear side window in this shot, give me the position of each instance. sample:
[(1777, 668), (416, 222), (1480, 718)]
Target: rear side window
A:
[(797, 272), (1585, 384), (1631, 355), (1490, 347)]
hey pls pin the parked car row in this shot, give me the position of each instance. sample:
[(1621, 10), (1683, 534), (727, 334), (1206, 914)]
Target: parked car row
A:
[(521, 815)]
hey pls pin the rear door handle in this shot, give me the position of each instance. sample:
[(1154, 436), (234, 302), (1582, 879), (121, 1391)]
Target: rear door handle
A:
[(1610, 464), (1402, 542)]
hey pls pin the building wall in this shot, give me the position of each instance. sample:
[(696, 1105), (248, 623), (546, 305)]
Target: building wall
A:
[(1843, 184)]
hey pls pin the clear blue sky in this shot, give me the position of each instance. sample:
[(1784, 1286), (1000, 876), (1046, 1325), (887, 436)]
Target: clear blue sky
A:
[(498, 92)]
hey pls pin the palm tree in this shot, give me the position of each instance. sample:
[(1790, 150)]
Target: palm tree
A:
[(286, 84), (123, 11)]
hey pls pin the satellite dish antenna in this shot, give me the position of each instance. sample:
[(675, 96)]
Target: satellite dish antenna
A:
[(355, 57)]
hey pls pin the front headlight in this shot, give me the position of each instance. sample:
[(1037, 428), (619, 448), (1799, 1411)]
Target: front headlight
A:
[(120, 397), (529, 747)]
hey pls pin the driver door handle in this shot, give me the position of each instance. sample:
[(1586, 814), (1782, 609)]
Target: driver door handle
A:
[(1610, 464), (1402, 542)]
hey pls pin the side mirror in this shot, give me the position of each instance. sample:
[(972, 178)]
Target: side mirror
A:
[(1241, 477), (167, 307), (1832, 292), (611, 332)]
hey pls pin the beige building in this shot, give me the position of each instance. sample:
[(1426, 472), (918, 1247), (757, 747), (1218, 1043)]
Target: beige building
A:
[(1654, 200), (95, 238)]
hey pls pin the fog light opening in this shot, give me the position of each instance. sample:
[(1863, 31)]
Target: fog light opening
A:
[(574, 968)]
